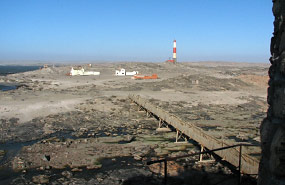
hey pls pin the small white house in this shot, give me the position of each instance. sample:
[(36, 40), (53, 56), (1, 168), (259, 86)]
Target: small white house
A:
[(76, 71), (81, 72), (123, 72)]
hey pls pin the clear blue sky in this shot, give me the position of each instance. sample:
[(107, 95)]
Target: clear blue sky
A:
[(135, 30)]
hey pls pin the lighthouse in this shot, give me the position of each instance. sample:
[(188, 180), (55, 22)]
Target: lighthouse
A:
[(174, 52), (173, 60)]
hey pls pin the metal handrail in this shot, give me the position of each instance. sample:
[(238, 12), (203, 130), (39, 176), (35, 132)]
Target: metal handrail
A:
[(200, 153)]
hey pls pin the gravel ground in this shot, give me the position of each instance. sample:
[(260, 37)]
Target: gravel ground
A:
[(57, 129)]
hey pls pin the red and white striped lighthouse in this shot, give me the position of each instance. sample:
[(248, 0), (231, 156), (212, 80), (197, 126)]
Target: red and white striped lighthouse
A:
[(174, 52)]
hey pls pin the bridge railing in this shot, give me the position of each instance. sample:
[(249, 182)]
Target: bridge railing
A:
[(201, 153)]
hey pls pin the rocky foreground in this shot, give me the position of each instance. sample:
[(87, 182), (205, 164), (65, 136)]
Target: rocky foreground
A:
[(57, 129)]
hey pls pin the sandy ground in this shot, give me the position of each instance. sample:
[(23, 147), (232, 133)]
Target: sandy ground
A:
[(225, 99), (52, 84), (49, 91)]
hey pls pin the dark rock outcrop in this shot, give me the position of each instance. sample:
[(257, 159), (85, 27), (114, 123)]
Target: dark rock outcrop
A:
[(272, 164)]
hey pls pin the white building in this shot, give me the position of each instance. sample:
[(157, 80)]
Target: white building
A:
[(123, 72), (81, 72), (76, 71)]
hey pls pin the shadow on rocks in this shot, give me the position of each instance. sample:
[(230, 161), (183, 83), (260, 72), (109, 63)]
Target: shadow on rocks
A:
[(142, 180), (194, 178)]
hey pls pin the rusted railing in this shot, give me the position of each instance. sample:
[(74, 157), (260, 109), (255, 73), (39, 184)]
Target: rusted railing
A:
[(201, 153)]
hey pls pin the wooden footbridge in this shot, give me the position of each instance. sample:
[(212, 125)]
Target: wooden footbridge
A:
[(247, 164)]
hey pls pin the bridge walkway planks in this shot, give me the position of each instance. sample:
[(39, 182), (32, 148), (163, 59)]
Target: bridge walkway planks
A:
[(249, 164)]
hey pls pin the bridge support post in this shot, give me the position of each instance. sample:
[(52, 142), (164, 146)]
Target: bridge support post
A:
[(140, 108), (180, 135), (148, 114), (203, 149), (159, 123), (201, 155)]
